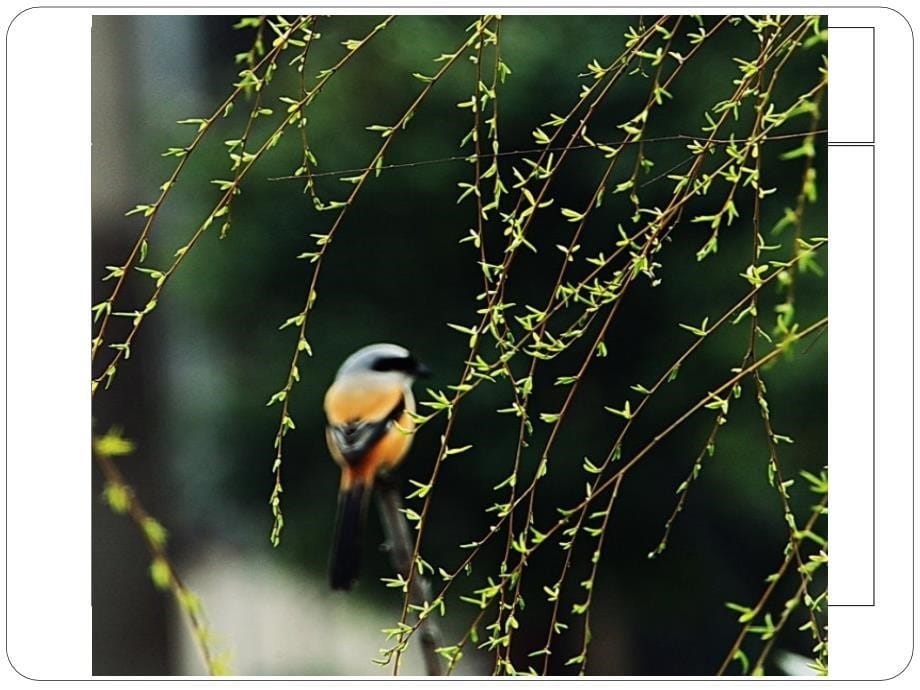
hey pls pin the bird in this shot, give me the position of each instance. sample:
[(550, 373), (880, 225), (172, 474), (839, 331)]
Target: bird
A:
[(369, 408)]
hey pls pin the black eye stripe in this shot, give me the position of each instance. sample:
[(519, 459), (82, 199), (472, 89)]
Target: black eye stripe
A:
[(406, 364)]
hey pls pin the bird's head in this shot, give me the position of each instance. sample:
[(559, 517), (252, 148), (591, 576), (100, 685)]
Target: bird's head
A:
[(384, 361)]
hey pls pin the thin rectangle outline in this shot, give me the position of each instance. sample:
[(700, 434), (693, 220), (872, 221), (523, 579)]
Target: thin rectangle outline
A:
[(874, 539), (871, 141)]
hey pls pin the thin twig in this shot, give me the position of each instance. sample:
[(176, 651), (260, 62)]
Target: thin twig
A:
[(773, 581), (154, 539)]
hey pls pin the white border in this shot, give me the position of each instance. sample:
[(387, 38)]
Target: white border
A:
[(47, 368)]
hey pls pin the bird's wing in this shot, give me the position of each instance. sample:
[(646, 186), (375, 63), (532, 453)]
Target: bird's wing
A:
[(352, 440)]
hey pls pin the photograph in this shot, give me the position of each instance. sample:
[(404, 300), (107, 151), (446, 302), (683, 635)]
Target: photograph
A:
[(459, 345)]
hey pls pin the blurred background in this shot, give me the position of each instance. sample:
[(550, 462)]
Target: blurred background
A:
[(193, 394)]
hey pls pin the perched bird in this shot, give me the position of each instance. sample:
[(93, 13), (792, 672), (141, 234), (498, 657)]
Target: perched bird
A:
[(369, 431)]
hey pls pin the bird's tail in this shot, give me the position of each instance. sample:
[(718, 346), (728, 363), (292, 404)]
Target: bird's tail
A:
[(346, 547)]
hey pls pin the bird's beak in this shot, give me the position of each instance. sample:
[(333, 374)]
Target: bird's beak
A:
[(422, 371)]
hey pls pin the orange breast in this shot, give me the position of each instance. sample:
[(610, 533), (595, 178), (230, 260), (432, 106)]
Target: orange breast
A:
[(356, 399)]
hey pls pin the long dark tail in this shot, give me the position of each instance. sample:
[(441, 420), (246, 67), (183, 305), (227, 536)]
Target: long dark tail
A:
[(349, 524)]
